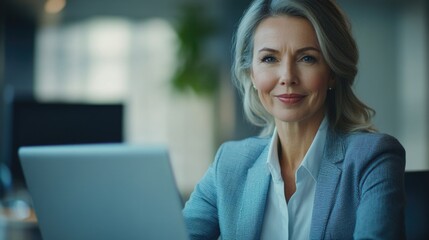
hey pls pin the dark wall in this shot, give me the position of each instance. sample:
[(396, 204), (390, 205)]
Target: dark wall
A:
[(17, 47), (2, 20)]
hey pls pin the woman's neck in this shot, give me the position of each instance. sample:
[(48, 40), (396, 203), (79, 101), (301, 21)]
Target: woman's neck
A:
[(294, 141)]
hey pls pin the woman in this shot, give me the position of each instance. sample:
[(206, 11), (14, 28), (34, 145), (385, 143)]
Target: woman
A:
[(319, 170)]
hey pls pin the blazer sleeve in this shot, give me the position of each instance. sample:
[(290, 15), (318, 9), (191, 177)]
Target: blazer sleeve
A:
[(380, 214), (200, 211)]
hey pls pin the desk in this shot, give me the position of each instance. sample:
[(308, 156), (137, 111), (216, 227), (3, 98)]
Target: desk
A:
[(18, 229)]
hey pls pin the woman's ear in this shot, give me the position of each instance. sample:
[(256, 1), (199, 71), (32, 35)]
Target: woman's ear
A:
[(252, 79)]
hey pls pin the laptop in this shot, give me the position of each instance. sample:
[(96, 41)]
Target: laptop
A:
[(103, 191)]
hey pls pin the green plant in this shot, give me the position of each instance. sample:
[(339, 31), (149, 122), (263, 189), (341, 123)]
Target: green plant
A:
[(195, 70)]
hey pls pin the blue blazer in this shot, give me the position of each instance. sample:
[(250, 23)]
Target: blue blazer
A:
[(359, 190)]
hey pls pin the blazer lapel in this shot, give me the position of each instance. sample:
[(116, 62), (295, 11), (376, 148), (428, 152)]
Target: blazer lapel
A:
[(254, 197), (327, 183)]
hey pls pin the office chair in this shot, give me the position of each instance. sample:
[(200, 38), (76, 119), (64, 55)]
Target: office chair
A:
[(417, 208)]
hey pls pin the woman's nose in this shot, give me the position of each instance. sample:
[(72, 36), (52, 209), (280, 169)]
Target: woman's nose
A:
[(288, 74)]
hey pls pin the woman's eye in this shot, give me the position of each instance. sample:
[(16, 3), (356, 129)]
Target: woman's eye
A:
[(308, 59), (268, 59)]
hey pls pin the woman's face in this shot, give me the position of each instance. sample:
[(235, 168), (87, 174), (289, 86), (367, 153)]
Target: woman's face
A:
[(289, 71)]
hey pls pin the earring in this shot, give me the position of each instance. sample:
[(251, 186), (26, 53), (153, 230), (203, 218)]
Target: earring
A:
[(254, 87), (330, 89)]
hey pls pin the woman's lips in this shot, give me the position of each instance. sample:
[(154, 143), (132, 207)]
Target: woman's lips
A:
[(291, 98)]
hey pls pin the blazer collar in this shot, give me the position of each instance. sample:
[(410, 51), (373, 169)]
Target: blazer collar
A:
[(327, 183), (252, 209)]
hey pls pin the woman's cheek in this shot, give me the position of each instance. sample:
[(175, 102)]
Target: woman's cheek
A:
[(316, 81), (263, 80)]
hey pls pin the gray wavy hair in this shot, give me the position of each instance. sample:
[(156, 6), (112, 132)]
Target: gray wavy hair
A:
[(345, 111)]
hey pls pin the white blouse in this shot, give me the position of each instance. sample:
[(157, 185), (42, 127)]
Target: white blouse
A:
[(292, 220)]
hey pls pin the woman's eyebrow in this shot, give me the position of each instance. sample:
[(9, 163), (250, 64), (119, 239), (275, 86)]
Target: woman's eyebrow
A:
[(310, 48), (307, 49), (266, 49)]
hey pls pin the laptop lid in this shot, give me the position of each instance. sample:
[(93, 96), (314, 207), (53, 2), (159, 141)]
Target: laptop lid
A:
[(103, 191)]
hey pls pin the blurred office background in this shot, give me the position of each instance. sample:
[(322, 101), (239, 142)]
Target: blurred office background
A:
[(168, 62), (132, 52)]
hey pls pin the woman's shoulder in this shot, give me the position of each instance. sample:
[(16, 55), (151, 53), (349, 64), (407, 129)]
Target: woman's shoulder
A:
[(365, 145), (242, 152), (250, 143), (371, 139)]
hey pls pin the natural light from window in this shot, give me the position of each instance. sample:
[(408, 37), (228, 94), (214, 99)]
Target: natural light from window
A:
[(107, 60)]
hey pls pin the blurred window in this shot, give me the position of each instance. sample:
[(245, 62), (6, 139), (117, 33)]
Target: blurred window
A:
[(117, 60)]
